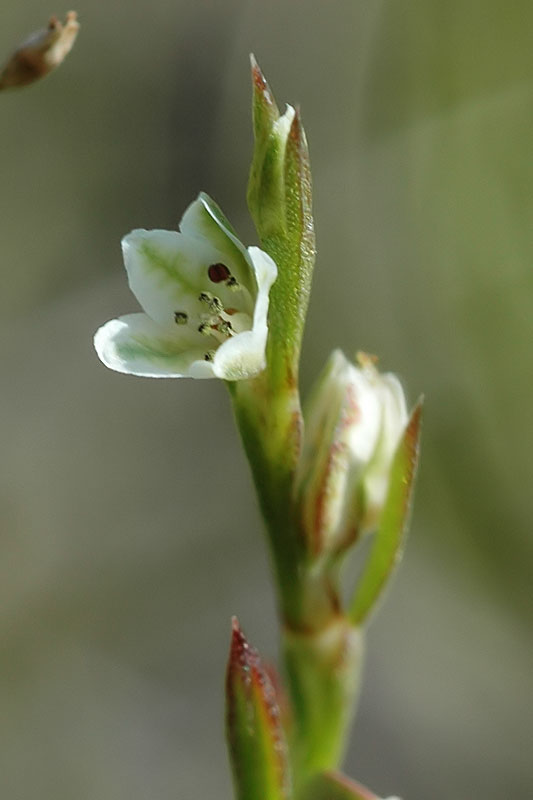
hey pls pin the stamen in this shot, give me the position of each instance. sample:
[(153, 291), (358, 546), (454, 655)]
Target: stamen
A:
[(213, 303), (209, 356), (232, 284), (218, 273), (217, 327), (225, 328), (180, 318)]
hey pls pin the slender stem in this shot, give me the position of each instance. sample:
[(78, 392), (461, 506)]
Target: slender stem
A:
[(323, 670), (322, 650)]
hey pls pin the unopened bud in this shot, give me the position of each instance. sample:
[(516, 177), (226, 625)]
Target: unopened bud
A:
[(353, 424), (279, 199), (40, 53), (267, 186)]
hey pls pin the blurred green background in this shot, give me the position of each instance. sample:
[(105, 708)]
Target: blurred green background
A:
[(129, 528)]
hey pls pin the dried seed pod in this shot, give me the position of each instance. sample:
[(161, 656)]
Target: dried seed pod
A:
[(40, 53)]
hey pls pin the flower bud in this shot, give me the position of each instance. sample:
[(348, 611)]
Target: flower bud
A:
[(279, 199), (40, 53), (353, 424)]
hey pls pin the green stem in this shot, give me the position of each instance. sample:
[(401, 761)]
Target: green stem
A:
[(322, 650), (323, 669), (270, 421)]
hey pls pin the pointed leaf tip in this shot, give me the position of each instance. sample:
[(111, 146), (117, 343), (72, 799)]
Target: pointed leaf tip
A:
[(246, 671), (257, 75), (242, 656), (298, 172), (256, 739), (296, 129), (262, 89)]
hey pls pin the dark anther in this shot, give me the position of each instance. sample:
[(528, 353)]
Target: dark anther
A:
[(180, 318), (218, 273), (225, 328)]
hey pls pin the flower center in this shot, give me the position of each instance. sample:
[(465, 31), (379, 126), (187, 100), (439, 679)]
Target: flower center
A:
[(213, 318)]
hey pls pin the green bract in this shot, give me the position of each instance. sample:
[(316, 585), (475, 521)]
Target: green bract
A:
[(205, 301)]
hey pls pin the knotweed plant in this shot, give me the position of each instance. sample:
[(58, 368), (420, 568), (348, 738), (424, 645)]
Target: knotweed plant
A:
[(327, 477)]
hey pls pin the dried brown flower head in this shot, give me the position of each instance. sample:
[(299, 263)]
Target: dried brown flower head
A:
[(40, 53)]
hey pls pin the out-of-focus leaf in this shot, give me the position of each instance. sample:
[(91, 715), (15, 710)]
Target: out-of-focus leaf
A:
[(256, 739), (389, 539)]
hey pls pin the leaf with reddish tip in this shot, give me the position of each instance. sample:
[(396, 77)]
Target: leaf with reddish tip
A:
[(264, 109), (334, 786), (257, 745), (389, 539)]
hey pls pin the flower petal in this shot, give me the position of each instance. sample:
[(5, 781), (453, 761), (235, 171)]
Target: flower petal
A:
[(394, 418), (167, 271), (243, 356), (204, 220), (136, 345)]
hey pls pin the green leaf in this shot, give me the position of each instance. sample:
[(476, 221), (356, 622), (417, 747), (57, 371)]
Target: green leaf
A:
[(334, 786), (256, 740), (389, 539), (279, 198)]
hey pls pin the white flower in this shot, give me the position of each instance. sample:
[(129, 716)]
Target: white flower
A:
[(353, 424), (205, 298)]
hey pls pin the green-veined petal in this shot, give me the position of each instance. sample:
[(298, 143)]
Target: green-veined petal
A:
[(137, 345), (204, 220)]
